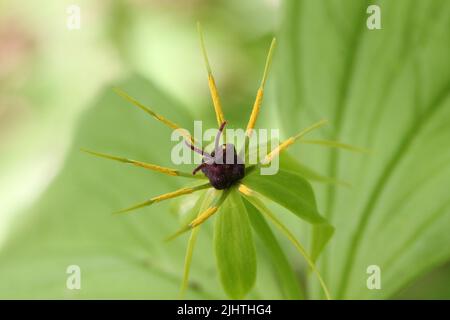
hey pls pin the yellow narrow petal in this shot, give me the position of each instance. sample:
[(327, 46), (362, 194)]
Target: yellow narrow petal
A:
[(260, 94), (158, 117), (268, 158), (173, 194), (203, 216), (285, 144), (145, 165), (211, 82), (168, 171), (216, 100), (165, 196), (155, 115), (255, 111)]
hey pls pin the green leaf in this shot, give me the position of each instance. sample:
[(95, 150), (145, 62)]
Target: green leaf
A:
[(234, 247), (321, 234), (293, 192), (387, 91), (289, 190), (288, 282)]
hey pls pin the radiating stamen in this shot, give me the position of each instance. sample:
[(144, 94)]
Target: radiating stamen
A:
[(211, 82), (260, 94), (285, 144), (145, 165), (165, 196), (203, 216), (158, 117)]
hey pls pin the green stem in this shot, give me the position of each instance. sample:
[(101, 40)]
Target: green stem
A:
[(188, 260)]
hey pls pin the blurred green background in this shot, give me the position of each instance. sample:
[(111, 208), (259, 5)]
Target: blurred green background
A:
[(386, 90)]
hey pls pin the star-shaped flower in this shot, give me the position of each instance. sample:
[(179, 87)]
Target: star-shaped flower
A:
[(237, 193)]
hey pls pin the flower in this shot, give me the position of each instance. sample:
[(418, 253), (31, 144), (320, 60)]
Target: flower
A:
[(240, 183)]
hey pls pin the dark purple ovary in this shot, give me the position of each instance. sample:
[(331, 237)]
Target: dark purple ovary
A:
[(221, 174)]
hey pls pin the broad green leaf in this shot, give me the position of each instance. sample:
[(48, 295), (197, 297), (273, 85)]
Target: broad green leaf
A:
[(321, 234), (289, 190), (388, 91), (287, 279), (234, 247)]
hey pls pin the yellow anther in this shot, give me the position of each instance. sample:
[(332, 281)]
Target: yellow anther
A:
[(260, 94), (203, 216), (155, 115), (245, 190), (211, 82), (255, 111), (165, 196), (216, 100), (268, 158)]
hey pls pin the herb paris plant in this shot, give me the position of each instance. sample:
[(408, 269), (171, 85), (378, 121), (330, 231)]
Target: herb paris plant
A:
[(235, 187)]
